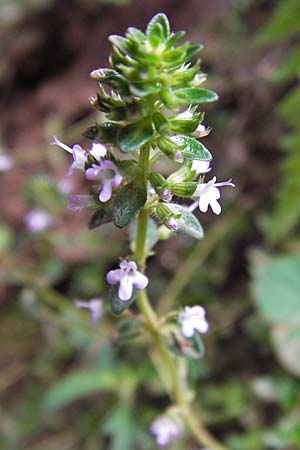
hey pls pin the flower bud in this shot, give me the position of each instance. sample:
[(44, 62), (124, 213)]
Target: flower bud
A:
[(185, 189), (185, 173), (163, 212), (160, 186)]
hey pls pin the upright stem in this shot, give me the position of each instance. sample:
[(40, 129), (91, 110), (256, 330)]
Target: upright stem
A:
[(176, 391)]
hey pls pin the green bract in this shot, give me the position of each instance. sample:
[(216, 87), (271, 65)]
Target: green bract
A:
[(149, 76)]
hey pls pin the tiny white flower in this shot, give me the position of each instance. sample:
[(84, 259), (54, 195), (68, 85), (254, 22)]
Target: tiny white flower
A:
[(37, 220), (129, 277), (109, 176), (165, 429), (209, 194), (201, 131), (200, 166), (6, 162), (192, 319), (95, 306), (80, 155)]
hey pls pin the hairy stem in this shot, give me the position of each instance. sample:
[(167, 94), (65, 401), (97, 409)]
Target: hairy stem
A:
[(177, 388)]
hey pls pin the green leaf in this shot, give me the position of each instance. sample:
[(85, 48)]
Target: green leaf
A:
[(174, 38), (276, 290), (79, 384), (286, 342), (289, 107), (193, 95), (116, 304), (188, 224), (101, 216), (128, 201), (193, 149), (283, 22), (289, 68), (157, 23), (122, 428), (133, 136)]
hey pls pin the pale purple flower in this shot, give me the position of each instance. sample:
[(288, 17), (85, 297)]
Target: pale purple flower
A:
[(6, 162), (200, 166), (65, 186), (129, 277), (165, 429), (95, 306), (107, 173), (37, 220), (209, 194), (79, 202), (192, 319), (80, 155)]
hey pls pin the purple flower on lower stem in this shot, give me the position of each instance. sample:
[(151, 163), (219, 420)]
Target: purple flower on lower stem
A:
[(192, 319), (109, 176), (209, 194), (80, 155), (165, 430), (37, 220), (95, 306), (79, 202), (129, 277)]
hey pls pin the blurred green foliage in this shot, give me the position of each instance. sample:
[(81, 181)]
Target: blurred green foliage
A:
[(284, 28)]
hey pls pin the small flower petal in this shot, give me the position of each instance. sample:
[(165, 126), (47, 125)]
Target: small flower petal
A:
[(114, 276), (98, 151), (125, 288), (140, 281), (106, 191)]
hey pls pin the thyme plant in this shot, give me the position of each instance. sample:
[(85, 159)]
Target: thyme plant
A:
[(150, 97)]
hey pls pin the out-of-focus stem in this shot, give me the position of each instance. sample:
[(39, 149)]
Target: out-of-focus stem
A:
[(177, 391)]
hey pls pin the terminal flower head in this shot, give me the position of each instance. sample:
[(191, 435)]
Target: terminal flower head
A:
[(192, 319), (209, 194), (165, 429), (80, 155), (129, 277), (38, 220), (109, 176), (95, 306)]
